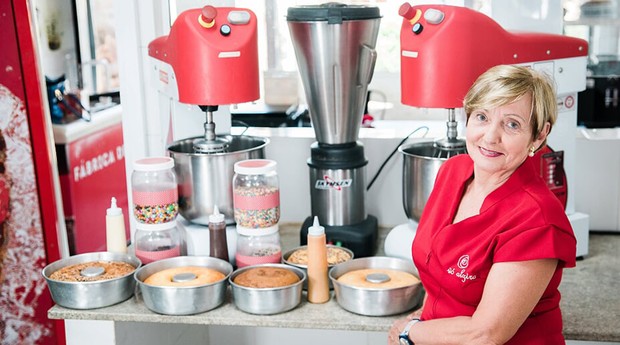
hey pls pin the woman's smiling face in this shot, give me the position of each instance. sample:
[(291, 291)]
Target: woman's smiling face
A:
[(499, 139)]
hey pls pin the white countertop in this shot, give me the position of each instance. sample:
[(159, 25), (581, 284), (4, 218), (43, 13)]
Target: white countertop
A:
[(589, 301)]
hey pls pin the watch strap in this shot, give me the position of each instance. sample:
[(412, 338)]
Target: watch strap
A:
[(404, 335)]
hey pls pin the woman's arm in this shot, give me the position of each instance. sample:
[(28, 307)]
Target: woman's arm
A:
[(400, 324), (510, 294)]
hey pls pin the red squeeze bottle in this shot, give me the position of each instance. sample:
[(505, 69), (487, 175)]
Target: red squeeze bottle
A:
[(318, 284)]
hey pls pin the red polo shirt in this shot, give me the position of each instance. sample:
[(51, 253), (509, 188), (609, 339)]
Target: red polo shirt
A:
[(521, 220)]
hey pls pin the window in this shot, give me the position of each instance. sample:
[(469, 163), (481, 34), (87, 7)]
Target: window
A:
[(277, 57), (97, 46)]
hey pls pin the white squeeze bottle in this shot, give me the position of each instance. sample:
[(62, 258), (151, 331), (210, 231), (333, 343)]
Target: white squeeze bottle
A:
[(318, 284), (116, 241)]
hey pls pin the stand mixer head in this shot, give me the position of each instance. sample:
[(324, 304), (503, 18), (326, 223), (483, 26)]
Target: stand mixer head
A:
[(212, 55)]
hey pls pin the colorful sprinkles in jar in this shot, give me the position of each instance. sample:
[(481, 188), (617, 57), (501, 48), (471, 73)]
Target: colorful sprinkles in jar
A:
[(155, 214), (256, 206), (257, 218), (154, 190)]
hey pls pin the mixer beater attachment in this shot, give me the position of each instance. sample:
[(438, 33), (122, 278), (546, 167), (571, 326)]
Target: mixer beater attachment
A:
[(211, 143), (451, 145)]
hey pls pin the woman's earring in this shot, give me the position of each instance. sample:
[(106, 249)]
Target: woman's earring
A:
[(532, 150)]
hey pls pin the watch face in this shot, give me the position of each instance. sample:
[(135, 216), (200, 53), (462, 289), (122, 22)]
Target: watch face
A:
[(404, 340)]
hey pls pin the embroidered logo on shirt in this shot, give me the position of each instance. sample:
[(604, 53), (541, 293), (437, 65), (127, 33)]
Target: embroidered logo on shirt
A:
[(462, 263)]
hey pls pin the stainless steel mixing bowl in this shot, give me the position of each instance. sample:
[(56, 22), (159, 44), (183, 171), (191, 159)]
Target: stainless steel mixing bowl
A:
[(267, 301), (376, 301), (94, 294), (185, 300), (421, 162), (205, 179)]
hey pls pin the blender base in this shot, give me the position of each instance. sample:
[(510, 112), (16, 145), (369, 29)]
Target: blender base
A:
[(361, 238)]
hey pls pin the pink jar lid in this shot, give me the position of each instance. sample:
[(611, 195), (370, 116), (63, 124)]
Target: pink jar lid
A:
[(255, 166), (153, 164)]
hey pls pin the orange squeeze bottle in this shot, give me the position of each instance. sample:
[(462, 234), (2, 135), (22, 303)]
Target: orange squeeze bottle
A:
[(318, 284)]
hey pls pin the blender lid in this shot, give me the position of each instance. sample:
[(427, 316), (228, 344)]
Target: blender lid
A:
[(332, 12)]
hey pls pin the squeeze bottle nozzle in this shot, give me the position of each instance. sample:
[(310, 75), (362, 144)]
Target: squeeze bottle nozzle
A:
[(114, 210), (216, 217), (316, 229)]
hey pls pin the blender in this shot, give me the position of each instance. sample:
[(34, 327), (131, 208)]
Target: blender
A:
[(335, 48)]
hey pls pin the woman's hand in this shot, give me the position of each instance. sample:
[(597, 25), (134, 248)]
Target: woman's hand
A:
[(395, 330), (399, 325)]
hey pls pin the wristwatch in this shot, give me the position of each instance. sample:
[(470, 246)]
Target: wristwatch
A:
[(403, 338)]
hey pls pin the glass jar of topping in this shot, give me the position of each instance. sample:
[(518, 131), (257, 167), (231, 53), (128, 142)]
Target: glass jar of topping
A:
[(258, 246), (154, 190), (157, 241), (256, 194)]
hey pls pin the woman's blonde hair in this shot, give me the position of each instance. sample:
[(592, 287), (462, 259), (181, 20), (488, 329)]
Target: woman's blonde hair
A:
[(504, 84)]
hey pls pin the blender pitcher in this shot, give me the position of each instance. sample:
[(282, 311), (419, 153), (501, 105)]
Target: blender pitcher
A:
[(335, 49)]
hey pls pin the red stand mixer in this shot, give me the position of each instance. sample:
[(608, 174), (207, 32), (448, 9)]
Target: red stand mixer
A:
[(443, 50), (209, 59)]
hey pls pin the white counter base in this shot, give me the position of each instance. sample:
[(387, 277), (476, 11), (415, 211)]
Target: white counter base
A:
[(137, 333)]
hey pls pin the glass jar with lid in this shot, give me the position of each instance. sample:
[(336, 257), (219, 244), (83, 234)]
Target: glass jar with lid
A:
[(157, 241), (154, 190), (256, 194), (258, 246)]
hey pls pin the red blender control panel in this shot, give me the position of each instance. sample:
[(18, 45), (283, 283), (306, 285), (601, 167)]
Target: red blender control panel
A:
[(214, 54), (445, 48)]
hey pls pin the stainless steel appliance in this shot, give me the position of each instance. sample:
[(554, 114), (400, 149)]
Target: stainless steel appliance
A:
[(205, 180), (599, 103), (335, 49), (595, 21)]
